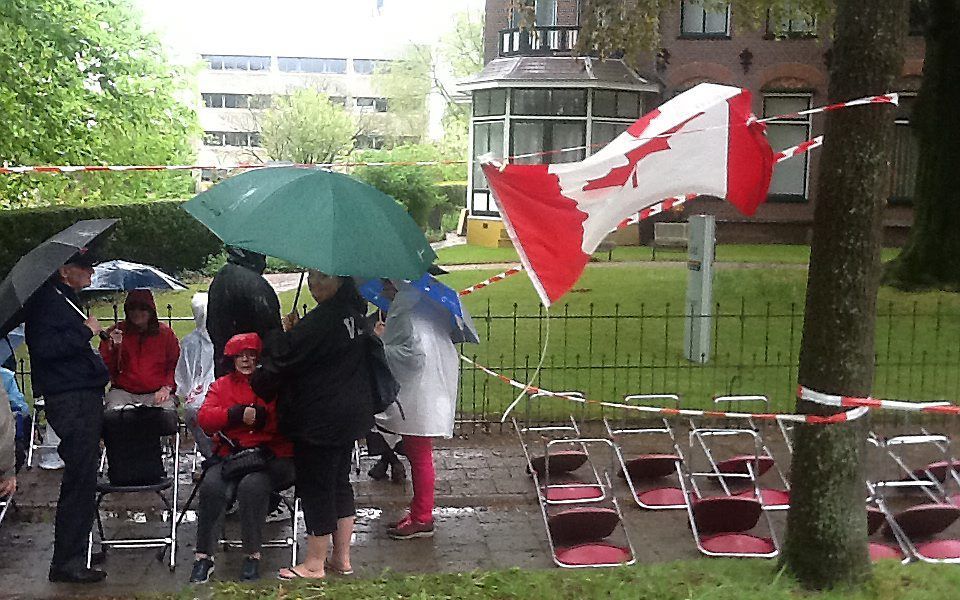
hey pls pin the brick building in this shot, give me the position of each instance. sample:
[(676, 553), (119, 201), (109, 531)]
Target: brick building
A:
[(783, 64)]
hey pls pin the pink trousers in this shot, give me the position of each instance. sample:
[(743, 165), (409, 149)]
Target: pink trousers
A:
[(419, 451)]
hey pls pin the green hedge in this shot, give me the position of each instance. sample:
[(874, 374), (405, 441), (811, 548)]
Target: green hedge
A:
[(156, 233)]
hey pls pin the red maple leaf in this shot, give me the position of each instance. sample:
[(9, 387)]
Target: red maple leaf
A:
[(618, 176)]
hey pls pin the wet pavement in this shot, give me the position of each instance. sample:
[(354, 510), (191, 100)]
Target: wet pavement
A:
[(487, 518)]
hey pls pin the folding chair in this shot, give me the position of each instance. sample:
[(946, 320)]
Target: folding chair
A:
[(172, 515), (36, 436), (5, 504), (649, 467), (750, 465), (562, 485)]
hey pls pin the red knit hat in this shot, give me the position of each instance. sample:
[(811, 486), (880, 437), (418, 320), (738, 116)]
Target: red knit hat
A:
[(241, 342)]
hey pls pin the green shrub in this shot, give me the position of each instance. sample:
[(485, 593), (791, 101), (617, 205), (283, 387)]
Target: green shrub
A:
[(156, 233)]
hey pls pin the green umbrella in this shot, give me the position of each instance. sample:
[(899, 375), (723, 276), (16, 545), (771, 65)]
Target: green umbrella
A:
[(318, 219)]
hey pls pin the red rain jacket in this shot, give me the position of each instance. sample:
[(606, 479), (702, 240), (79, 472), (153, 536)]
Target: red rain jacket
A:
[(215, 416), (145, 361)]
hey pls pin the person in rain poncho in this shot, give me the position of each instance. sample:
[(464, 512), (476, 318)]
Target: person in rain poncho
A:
[(194, 372), (423, 359)]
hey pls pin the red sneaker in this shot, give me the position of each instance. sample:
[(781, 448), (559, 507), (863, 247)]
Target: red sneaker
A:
[(407, 529)]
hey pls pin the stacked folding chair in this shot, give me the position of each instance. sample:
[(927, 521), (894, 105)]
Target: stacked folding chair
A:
[(645, 472), (722, 522), (917, 528), (582, 517)]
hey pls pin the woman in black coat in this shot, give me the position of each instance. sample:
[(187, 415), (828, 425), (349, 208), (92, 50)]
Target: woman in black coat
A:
[(318, 371)]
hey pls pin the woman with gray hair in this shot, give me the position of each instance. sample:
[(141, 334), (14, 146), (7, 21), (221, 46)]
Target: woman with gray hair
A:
[(318, 370)]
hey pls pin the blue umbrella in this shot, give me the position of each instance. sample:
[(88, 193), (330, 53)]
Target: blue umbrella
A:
[(120, 275), (461, 324), (10, 343)]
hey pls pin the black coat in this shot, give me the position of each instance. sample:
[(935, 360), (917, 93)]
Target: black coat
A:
[(240, 301), (61, 357), (320, 375)]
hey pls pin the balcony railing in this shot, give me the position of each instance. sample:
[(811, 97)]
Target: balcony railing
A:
[(538, 41)]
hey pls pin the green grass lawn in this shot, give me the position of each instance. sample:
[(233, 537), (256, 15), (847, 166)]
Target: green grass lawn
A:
[(707, 579), (736, 253), (621, 330)]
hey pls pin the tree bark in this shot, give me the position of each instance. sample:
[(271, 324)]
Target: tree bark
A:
[(931, 257), (826, 540)]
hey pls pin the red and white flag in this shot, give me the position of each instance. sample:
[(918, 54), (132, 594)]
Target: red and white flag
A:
[(705, 141)]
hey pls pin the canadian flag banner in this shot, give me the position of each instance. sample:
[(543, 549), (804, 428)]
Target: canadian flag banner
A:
[(705, 141)]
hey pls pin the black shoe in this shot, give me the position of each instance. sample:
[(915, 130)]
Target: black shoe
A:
[(81, 575), (378, 472), (202, 569), (398, 473), (98, 558), (251, 569)]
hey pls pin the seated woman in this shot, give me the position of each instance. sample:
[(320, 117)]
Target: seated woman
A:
[(236, 418), (141, 354)]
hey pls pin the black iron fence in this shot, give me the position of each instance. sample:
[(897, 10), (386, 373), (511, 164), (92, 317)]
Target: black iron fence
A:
[(607, 354)]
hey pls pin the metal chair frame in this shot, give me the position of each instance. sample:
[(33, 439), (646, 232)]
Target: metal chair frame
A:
[(287, 542), (617, 434)]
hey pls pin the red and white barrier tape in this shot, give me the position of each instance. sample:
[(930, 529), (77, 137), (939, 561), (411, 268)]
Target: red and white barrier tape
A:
[(479, 286), (850, 415), (889, 98), (850, 401), (798, 149)]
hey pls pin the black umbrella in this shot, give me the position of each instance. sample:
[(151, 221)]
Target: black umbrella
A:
[(36, 266)]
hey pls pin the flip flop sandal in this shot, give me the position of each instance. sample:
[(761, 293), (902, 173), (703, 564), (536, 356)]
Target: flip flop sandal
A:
[(296, 575), (327, 565)]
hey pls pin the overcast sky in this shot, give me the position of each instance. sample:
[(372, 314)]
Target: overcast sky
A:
[(326, 28)]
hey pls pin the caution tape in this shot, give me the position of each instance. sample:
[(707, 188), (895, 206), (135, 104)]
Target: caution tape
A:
[(479, 286), (889, 98), (842, 417), (944, 408)]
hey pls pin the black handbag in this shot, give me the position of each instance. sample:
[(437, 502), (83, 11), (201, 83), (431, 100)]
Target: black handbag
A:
[(243, 461)]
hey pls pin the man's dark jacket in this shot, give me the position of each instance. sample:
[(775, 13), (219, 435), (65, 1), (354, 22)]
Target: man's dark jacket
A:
[(319, 372), (61, 357), (240, 301)]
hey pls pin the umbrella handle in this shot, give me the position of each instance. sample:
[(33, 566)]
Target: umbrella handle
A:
[(103, 334), (296, 297)]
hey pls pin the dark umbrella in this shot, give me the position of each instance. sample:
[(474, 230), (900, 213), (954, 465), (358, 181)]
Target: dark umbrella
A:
[(36, 266)]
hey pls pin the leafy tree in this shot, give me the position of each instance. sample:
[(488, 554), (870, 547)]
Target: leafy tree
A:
[(414, 186), (82, 83), (929, 259), (462, 46), (305, 127), (406, 83)]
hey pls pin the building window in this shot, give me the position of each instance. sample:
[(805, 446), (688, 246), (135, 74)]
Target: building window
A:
[(797, 26), (604, 132), (617, 105), (487, 139), (489, 103), (365, 66), (550, 102), (696, 21), (906, 152), (789, 181), (368, 142), (302, 64), (550, 141), (255, 101), (544, 13), (240, 139), (221, 62), (338, 100), (378, 104)]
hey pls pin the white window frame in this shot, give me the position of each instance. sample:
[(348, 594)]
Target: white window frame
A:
[(702, 33), (803, 120)]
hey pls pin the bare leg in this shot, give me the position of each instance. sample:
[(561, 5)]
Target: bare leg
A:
[(312, 565), (341, 544)]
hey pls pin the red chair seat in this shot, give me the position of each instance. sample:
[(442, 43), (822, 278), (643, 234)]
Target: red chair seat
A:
[(738, 464), (737, 543), (582, 524), (874, 519), (593, 554), (925, 520), (884, 551), (770, 496), (666, 496), (580, 492), (725, 514), (937, 469), (651, 466), (940, 549), (562, 461)]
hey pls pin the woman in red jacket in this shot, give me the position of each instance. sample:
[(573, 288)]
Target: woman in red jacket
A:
[(141, 354), (237, 418)]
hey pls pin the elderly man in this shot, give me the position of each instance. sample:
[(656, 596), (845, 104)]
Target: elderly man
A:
[(70, 375)]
